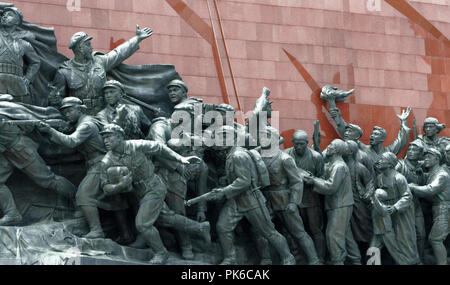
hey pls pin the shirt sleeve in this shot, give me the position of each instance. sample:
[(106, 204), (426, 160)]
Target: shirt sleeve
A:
[(401, 140), (243, 179), (436, 186), (119, 54), (32, 60), (295, 181), (331, 185), (406, 199), (157, 148), (81, 134)]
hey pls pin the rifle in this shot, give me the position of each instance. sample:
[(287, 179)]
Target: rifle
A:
[(157, 111), (205, 197), (55, 123)]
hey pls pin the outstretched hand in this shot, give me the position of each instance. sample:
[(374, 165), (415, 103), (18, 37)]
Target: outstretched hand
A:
[(144, 33), (405, 114)]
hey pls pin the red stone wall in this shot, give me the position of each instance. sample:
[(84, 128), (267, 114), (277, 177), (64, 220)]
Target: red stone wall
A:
[(384, 53)]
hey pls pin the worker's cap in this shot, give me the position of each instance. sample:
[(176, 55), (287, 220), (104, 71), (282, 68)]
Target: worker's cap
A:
[(433, 151), (355, 127), (113, 84), (112, 129), (71, 102)]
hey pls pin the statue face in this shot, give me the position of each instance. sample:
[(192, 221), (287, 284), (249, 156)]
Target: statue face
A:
[(383, 164), (176, 94), (351, 134), (331, 150), (72, 114), (9, 18), (112, 141), (112, 95), (84, 48), (414, 152), (430, 160), (430, 129), (300, 145), (376, 137)]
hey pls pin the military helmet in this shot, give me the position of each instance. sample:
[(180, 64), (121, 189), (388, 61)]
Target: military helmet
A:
[(179, 83), (16, 11), (77, 38)]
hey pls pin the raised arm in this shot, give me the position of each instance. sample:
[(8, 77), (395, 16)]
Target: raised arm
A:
[(403, 134), (125, 50)]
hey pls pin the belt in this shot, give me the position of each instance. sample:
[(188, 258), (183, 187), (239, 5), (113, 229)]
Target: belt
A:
[(11, 69)]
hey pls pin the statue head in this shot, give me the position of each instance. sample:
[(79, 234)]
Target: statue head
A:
[(113, 136), (113, 91), (432, 127), (336, 147), (415, 150), (432, 157), (352, 132), (72, 108), (225, 138), (388, 160), (352, 148), (225, 109), (11, 17), (378, 136), (80, 44), (300, 142), (177, 91), (447, 153)]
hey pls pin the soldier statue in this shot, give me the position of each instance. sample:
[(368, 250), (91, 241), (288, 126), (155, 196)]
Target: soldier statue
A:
[(337, 188), (148, 187), (393, 215), (15, 53), (309, 160), (129, 116), (87, 140), (243, 199), (437, 190), (284, 196), (19, 151), (430, 138), (84, 76)]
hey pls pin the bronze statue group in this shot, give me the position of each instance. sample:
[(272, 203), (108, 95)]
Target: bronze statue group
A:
[(327, 206)]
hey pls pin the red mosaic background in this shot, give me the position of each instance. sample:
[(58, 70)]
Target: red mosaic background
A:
[(395, 53)]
